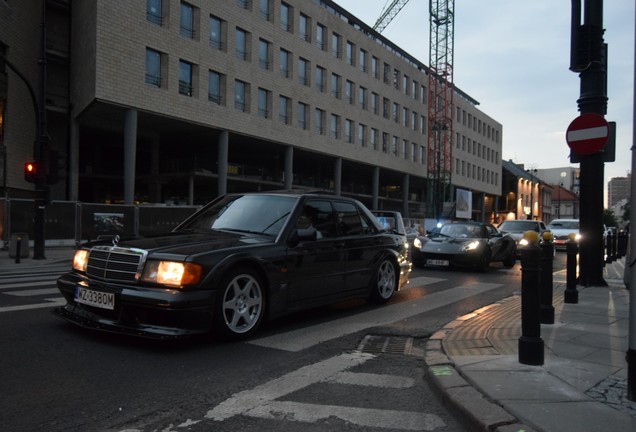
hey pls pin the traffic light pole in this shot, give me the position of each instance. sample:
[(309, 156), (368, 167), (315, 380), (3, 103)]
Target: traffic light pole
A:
[(589, 57)]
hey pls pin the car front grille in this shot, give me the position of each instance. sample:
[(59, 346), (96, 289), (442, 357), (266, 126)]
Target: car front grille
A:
[(115, 264)]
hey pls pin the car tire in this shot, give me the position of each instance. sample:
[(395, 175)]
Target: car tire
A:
[(384, 282), (241, 305), (511, 260)]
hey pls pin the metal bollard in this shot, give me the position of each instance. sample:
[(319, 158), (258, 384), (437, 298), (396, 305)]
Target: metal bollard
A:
[(571, 294), (609, 248), (531, 347), (615, 247), (18, 249), (545, 277)]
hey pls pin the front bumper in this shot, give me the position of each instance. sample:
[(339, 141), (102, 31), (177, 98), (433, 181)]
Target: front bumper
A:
[(156, 313)]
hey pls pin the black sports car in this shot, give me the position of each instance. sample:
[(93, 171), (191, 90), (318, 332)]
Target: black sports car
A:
[(238, 260), (464, 244)]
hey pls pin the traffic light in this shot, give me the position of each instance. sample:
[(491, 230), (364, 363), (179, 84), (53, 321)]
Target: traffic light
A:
[(32, 171)]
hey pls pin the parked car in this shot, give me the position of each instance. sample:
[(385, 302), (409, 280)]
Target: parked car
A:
[(465, 244), (561, 229), (237, 261), (516, 228)]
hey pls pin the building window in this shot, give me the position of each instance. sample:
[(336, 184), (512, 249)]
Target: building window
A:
[(422, 155), (414, 121), (264, 101), (334, 126), (319, 120), (386, 75), (348, 131), (405, 117), (304, 28), (245, 4), (217, 33), (153, 12), (385, 108), (185, 78), (264, 54), (374, 138), (374, 67), (240, 95), (385, 142), (335, 45), (405, 145), (215, 87), (320, 78), (303, 72), (153, 67), (362, 61), (283, 109), (349, 91), (374, 103), (241, 44), (413, 152), (405, 84), (264, 9), (321, 35), (286, 16), (362, 135), (335, 85), (186, 21), (350, 53), (394, 146), (396, 79), (362, 97), (303, 115), (285, 65)]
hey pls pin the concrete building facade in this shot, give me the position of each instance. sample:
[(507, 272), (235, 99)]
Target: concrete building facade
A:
[(618, 190), (167, 101)]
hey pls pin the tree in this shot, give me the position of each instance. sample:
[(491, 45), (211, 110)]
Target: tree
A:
[(608, 218)]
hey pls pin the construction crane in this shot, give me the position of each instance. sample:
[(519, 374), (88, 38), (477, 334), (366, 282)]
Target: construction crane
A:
[(389, 13), (440, 103)]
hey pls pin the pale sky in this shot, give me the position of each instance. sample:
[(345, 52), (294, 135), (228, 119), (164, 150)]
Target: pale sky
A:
[(513, 57)]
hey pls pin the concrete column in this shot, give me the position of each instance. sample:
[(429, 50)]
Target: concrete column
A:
[(375, 186), (289, 167), (222, 163), (337, 176), (405, 195), (130, 153), (73, 159)]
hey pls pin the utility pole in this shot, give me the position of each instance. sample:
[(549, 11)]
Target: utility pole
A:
[(589, 58)]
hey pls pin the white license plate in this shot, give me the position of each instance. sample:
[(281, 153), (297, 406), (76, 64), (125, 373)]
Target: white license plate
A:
[(95, 298), (437, 262)]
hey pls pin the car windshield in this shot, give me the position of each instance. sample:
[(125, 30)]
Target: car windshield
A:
[(573, 225), (262, 214), (519, 226), (461, 230)]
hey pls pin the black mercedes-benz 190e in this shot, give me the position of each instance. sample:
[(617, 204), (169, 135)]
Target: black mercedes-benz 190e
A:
[(240, 259)]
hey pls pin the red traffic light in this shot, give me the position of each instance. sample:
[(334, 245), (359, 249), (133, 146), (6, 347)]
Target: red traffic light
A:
[(31, 171)]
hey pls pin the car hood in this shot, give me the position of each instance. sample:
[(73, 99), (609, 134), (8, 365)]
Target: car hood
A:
[(562, 231), (183, 244)]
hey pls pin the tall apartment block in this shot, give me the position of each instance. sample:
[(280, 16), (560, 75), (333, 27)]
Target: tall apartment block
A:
[(168, 101), (618, 189)]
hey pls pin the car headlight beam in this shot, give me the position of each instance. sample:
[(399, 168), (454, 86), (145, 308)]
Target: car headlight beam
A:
[(80, 260), (471, 246)]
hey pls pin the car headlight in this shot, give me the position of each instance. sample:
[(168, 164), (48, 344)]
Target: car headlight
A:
[(80, 260), (417, 243), (471, 246), (523, 242), (577, 237), (172, 273)]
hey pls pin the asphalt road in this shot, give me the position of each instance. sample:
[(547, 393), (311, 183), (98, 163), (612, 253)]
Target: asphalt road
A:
[(347, 367)]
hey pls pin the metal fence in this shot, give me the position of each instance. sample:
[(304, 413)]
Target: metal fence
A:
[(70, 223)]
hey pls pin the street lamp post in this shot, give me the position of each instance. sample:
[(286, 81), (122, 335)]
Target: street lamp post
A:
[(563, 175)]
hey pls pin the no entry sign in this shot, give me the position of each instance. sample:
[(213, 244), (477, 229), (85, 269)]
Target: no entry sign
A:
[(587, 134)]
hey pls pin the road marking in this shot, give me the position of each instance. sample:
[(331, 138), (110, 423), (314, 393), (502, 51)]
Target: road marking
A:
[(7, 285), (261, 401), (53, 302), (33, 292), (300, 339)]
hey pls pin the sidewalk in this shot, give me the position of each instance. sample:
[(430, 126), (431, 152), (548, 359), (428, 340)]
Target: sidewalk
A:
[(582, 386), (52, 255)]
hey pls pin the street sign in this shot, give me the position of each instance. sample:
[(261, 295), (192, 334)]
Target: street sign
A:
[(587, 134)]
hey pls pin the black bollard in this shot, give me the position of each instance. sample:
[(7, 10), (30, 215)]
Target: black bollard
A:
[(609, 247), (545, 278), (615, 247), (18, 249), (571, 294), (531, 348)]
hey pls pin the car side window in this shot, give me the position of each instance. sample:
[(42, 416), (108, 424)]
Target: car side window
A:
[(349, 222), (320, 215)]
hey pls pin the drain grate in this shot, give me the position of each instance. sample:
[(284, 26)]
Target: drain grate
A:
[(374, 344)]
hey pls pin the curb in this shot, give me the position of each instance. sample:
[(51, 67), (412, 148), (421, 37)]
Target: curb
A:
[(474, 409)]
